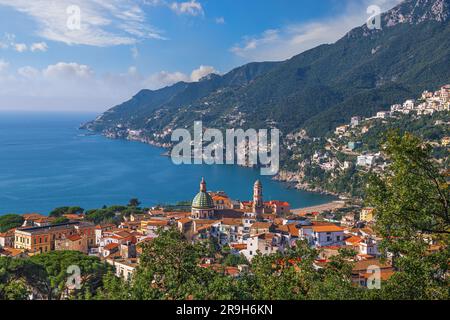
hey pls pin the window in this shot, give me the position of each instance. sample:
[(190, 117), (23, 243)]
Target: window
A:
[(338, 238)]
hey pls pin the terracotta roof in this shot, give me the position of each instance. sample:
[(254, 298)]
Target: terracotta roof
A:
[(363, 265), (239, 246), (74, 237), (329, 228), (156, 223), (278, 203), (184, 220), (111, 246), (232, 221), (11, 252), (384, 275), (220, 197), (261, 225), (353, 240)]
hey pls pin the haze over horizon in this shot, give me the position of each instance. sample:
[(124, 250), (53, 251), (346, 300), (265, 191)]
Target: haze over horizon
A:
[(125, 46)]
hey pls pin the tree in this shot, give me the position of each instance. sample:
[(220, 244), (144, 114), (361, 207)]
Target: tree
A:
[(134, 203), (235, 260), (57, 263), (60, 220), (58, 212), (411, 200), (19, 278), (10, 221)]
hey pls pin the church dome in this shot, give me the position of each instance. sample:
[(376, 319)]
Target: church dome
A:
[(203, 200)]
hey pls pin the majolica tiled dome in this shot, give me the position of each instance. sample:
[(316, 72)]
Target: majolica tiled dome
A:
[(203, 200)]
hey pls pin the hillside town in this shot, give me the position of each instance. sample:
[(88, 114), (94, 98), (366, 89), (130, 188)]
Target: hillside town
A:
[(353, 148), (244, 229)]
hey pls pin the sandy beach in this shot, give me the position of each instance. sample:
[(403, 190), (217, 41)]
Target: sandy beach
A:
[(320, 208)]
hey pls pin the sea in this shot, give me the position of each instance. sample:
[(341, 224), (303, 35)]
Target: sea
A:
[(47, 162)]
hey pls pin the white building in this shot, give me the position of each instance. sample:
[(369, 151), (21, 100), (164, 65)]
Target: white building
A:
[(409, 104), (124, 268), (265, 244), (355, 121), (383, 115), (365, 161), (323, 235)]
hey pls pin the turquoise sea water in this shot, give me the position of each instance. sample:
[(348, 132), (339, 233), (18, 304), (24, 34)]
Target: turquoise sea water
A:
[(46, 162)]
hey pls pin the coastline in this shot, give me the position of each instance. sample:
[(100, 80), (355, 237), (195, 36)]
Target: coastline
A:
[(330, 206), (291, 180)]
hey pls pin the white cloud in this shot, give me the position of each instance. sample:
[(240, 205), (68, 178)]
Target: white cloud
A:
[(3, 65), (285, 42), (28, 72), (72, 70), (39, 46), (192, 8), (164, 78), (103, 22), (20, 47), (74, 86), (220, 20), (135, 52), (202, 72)]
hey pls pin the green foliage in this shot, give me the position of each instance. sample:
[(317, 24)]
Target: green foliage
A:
[(56, 264), (10, 221), (19, 278), (364, 72), (113, 214), (60, 220), (134, 202), (233, 260), (58, 212), (412, 206)]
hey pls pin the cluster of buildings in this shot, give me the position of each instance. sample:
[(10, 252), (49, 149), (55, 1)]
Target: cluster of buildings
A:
[(246, 228), (428, 104)]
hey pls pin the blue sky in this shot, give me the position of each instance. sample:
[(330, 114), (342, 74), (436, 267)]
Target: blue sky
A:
[(50, 62)]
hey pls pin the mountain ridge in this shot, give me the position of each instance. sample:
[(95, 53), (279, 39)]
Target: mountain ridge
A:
[(315, 90)]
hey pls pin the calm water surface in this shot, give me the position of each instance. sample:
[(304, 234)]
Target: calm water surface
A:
[(46, 162)]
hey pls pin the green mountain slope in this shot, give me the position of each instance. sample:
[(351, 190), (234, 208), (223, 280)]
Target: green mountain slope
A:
[(365, 71)]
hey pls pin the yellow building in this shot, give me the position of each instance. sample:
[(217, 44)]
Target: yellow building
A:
[(367, 214), (32, 240), (42, 239)]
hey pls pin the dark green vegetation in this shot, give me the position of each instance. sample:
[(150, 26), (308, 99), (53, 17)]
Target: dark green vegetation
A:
[(412, 203), (113, 214), (10, 221), (351, 181), (413, 207), (58, 212), (365, 71), (46, 276)]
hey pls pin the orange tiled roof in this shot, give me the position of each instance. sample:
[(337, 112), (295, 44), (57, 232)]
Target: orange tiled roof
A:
[(327, 228), (353, 240), (111, 246), (239, 246), (220, 197), (184, 220), (278, 203), (261, 225), (232, 221), (74, 237)]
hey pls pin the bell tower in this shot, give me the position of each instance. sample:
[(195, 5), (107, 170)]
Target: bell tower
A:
[(258, 203)]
